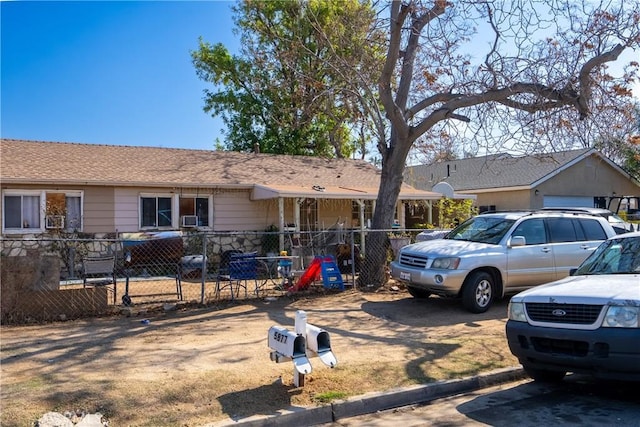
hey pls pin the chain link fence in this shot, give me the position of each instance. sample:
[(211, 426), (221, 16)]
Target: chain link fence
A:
[(56, 279)]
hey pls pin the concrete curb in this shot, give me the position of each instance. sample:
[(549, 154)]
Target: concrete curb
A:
[(374, 402)]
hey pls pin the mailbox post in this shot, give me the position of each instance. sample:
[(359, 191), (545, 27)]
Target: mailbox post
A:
[(307, 340)]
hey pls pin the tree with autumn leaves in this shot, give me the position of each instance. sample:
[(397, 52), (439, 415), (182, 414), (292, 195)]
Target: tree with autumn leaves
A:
[(527, 76)]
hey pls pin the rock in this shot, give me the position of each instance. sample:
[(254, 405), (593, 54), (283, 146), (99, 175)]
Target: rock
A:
[(71, 419), (54, 419), (92, 420)]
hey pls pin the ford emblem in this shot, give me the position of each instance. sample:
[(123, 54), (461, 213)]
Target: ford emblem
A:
[(558, 312)]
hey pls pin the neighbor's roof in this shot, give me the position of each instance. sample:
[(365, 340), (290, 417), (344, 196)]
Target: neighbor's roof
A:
[(499, 171), (269, 175)]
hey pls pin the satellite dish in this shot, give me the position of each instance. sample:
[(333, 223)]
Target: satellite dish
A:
[(443, 188)]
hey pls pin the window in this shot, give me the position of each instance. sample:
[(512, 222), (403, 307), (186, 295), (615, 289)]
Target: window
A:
[(155, 211), (30, 211), (487, 208), (67, 206), (532, 230), (562, 230), (198, 206), (21, 212), (593, 230)]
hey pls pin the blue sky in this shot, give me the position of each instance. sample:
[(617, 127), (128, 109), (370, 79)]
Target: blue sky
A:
[(109, 72), (112, 72)]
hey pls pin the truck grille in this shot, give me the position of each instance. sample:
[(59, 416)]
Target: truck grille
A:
[(576, 314), (413, 260)]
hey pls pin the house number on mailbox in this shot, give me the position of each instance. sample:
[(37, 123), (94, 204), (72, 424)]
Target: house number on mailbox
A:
[(282, 338)]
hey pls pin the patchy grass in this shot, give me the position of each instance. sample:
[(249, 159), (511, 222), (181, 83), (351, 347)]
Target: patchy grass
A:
[(199, 367)]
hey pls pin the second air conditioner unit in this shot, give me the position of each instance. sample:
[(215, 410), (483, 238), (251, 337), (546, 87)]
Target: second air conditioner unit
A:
[(190, 221)]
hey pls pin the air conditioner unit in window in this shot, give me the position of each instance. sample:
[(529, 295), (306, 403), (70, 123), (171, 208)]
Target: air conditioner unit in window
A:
[(54, 221), (190, 221)]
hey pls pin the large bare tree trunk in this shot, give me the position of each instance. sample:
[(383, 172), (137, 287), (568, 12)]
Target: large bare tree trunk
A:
[(372, 272)]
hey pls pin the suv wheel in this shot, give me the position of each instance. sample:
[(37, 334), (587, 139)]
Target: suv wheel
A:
[(418, 293), (477, 292), (543, 375)]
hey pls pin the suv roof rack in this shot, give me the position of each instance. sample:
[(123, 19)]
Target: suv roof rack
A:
[(573, 211)]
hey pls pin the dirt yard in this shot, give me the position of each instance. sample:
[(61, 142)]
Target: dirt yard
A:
[(196, 365)]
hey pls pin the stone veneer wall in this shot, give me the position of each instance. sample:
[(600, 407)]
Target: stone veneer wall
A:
[(33, 267)]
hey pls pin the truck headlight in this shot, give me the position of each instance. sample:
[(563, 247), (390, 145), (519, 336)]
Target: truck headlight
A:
[(515, 311), (619, 316), (446, 263)]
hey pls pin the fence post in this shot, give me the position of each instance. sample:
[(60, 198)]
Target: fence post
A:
[(203, 272)]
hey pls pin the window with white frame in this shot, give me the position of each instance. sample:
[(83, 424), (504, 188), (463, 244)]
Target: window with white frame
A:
[(194, 208), (29, 211), (156, 211), (64, 210)]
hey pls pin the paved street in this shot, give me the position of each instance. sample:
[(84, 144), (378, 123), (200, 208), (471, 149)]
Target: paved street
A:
[(576, 401)]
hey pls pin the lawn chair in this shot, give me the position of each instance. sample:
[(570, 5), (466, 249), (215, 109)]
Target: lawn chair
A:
[(100, 271), (223, 276), (236, 270), (244, 268)]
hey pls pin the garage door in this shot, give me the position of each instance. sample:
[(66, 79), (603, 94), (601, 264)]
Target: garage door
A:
[(567, 201)]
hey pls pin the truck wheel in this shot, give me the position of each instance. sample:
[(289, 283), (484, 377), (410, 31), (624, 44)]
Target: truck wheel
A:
[(477, 292), (418, 293), (543, 375)]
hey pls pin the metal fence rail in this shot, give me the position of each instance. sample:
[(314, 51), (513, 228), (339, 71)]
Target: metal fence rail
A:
[(50, 279)]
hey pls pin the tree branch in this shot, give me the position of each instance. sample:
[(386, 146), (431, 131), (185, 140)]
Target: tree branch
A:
[(584, 77)]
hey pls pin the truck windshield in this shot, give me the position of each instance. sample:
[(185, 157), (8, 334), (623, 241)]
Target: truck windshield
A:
[(481, 229), (615, 256)]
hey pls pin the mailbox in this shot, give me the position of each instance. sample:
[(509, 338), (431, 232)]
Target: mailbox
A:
[(288, 345), (318, 341)]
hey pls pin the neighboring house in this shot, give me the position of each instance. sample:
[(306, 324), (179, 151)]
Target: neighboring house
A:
[(107, 189), (504, 182)]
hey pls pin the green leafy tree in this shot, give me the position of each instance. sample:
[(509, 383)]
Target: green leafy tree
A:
[(285, 93)]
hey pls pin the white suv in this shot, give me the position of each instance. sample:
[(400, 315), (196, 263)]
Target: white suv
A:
[(496, 254), (586, 323)]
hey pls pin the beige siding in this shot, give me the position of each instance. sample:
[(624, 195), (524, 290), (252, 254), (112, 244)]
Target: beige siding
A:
[(505, 200), (591, 177), (234, 211), (126, 209), (98, 210)]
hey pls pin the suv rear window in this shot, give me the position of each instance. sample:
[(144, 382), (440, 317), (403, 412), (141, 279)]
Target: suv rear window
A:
[(593, 229), (575, 230)]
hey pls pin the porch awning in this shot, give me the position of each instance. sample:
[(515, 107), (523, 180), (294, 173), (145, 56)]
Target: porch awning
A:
[(262, 192)]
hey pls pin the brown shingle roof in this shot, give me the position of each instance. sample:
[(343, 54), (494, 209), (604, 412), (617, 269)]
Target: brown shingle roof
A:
[(72, 163), (493, 171)]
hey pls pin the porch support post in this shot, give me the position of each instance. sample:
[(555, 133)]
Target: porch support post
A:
[(281, 223), (360, 203), (401, 214), (296, 213)]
